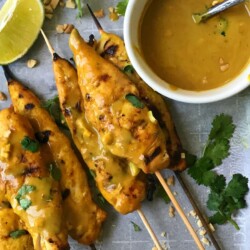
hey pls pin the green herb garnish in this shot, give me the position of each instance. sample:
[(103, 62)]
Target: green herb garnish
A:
[(55, 172), (129, 69), (136, 227), (160, 192), (25, 189), (53, 107), (121, 7), (135, 101), (222, 26), (18, 233), (224, 199), (79, 8), (25, 203), (30, 144)]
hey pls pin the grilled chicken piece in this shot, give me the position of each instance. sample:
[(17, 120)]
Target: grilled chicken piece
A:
[(12, 231), (82, 216), (112, 175), (112, 48), (125, 125), (33, 194)]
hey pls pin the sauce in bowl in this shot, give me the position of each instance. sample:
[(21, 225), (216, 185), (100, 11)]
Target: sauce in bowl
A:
[(195, 56)]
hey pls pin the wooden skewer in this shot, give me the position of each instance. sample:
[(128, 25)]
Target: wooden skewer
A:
[(150, 230), (140, 212), (197, 210), (179, 210)]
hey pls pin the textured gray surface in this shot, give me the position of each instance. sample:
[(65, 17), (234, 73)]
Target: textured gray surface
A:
[(193, 125)]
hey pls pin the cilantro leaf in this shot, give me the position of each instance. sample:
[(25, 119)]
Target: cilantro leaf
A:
[(128, 69), (162, 194), (214, 201), (30, 144), (55, 172), (223, 199), (200, 167), (53, 107), (25, 203), (121, 7), (136, 227), (190, 159), (218, 184), (218, 218), (18, 233), (135, 101), (222, 127), (217, 151), (25, 189), (237, 187)]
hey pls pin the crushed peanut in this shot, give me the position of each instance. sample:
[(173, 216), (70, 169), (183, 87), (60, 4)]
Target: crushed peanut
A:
[(113, 16), (3, 97), (99, 13), (204, 80), (171, 211), (221, 61), (199, 224), (64, 28), (54, 3), (163, 234), (49, 7), (193, 213), (205, 241), (49, 16), (31, 63), (170, 180), (202, 232), (70, 4), (224, 67)]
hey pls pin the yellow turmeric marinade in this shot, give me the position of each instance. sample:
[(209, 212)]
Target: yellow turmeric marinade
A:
[(29, 187), (123, 189), (83, 217), (112, 105)]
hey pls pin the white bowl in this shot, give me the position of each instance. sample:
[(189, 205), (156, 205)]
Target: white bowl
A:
[(131, 36)]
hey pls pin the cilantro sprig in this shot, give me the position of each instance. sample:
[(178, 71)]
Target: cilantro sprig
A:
[(24, 202), (223, 199), (53, 107), (121, 7), (17, 233)]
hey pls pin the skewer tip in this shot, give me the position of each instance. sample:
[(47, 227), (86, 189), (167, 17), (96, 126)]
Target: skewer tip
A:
[(97, 23)]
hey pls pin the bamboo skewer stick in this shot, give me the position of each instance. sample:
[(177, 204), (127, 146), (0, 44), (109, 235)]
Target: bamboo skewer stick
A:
[(198, 212), (140, 212), (179, 210), (148, 227)]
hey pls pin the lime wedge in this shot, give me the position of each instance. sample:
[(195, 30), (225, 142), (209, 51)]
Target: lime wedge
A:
[(20, 23)]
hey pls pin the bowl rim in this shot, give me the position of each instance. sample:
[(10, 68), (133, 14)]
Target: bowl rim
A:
[(229, 89)]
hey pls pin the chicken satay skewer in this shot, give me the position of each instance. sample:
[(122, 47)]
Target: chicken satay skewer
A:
[(121, 62), (159, 176), (140, 212)]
